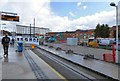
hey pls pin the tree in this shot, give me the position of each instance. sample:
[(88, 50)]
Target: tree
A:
[(102, 31), (97, 31)]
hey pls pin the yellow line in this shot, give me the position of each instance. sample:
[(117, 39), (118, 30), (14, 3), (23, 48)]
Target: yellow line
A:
[(56, 72)]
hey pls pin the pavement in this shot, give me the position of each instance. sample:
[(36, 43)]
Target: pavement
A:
[(83, 50), (15, 66), (18, 66), (102, 67)]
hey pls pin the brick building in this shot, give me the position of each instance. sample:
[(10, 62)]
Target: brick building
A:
[(81, 34), (84, 34), (112, 29)]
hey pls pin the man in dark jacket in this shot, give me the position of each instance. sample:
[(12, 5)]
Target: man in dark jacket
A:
[(5, 43)]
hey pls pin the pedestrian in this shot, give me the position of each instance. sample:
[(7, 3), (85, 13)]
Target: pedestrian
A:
[(13, 41), (5, 43)]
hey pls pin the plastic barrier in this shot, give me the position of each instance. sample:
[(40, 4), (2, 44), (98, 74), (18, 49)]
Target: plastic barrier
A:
[(20, 47), (108, 57), (33, 46)]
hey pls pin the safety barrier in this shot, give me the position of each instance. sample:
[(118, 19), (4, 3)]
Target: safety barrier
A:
[(111, 57), (108, 57)]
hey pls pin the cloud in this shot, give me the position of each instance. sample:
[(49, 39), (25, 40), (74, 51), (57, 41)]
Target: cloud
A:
[(41, 11), (27, 10), (84, 7), (72, 14), (81, 6), (90, 22)]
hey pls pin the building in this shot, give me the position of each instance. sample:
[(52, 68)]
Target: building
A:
[(112, 32), (27, 30), (82, 34)]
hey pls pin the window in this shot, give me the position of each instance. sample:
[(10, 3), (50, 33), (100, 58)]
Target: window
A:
[(30, 39), (21, 39), (88, 35), (81, 35)]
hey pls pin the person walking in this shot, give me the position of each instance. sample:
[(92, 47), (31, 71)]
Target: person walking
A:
[(5, 43), (13, 41)]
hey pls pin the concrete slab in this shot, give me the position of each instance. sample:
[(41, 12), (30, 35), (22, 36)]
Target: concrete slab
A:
[(47, 69), (16, 66), (83, 49), (108, 69)]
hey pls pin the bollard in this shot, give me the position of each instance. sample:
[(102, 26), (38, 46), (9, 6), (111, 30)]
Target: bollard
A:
[(108, 57), (20, 47), (33, 46)]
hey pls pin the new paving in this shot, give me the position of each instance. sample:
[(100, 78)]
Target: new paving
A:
[(83, 50)]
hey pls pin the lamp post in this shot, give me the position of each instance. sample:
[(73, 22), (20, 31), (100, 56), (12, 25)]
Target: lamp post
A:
[(34, 28), (114, 5), (30, 31)]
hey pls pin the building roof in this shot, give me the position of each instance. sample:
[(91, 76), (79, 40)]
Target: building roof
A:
[(32, 27)]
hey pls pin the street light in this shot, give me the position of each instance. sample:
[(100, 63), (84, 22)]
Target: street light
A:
[(114, 5)]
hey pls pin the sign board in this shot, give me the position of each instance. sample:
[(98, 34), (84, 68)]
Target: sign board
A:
[(10, 18)]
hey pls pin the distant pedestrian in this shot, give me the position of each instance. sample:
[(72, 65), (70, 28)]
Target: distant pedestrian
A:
[(13, 41), (5, 43)]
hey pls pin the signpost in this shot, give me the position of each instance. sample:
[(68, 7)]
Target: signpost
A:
[(8, 16)]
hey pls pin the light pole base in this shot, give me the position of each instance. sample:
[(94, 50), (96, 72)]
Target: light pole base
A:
[(117, 56), (0, 57)]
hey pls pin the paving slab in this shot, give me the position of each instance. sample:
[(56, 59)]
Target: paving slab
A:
[(15, 66), (83, 50), (46, 68), (108, 69)]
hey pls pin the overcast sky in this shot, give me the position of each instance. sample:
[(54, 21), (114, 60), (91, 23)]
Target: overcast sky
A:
[(60, 15)]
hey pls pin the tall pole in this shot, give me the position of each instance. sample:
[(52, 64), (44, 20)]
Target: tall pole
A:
[(116, 34), (34, 26), (30, 30), (1, 24), (113, 4), (0, 32)]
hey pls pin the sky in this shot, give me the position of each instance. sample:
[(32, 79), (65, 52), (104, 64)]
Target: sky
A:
[(60, 15)]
